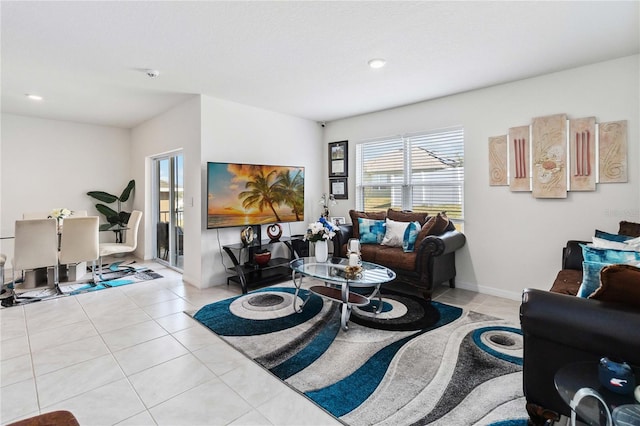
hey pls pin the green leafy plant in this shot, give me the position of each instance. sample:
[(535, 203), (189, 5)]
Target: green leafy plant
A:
[(114, 217)]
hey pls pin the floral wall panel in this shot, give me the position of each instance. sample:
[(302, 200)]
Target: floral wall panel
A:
[(613, 151), (519, 170), (498, 161), (582, 154), (550, 156)]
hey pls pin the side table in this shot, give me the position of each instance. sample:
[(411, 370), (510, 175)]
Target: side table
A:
[(573, 377)]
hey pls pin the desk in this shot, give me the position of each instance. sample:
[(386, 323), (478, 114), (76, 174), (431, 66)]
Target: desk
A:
[(570, 378)]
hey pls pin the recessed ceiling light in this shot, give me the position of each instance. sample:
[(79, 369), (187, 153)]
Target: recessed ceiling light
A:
[(377, 63), (34, 97)]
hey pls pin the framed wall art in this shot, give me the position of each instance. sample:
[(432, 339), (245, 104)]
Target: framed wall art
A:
[(338, 159), (498, 161), (613, 151), (519, 164), (550, 156), (557, 154), (339, 188), (582, 154), (338, 220)]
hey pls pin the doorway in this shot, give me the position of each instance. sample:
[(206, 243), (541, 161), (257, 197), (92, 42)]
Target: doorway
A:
[(169, 209)]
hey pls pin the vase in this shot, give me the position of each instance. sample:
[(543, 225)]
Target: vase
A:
[(322, 251)]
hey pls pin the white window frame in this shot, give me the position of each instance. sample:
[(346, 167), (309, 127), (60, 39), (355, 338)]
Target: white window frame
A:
[(449, 142)]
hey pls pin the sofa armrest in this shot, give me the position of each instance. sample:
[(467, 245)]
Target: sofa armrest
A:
[(343, 233), (437, 245), (572, 255), (560, 329), (590, 325)]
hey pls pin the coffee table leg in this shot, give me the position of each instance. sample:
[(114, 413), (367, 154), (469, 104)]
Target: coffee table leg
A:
[(346, 313), (372, 295), (298, 284), (346, 307)]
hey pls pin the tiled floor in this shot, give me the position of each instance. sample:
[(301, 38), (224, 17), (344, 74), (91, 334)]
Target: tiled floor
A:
[(130, 356)]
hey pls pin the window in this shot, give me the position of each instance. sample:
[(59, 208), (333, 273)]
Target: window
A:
[(421, 172)]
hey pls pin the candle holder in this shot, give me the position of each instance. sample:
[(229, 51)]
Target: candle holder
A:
[(353, 252)]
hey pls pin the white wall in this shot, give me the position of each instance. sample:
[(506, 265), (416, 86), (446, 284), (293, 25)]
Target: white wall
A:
[(47, 164), (176, 129), (233, 132), (514, 241)]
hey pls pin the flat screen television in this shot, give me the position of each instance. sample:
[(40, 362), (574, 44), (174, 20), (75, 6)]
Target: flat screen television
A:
[(252, 194)]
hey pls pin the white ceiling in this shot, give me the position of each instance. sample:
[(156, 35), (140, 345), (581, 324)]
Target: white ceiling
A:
[(307, 58)]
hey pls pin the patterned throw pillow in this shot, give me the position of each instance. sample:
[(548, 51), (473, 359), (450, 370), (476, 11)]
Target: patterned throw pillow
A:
[(606, 255), (590, 278), (611, 237), (410, 236), (371, 230), (354, 215), (597, 258)]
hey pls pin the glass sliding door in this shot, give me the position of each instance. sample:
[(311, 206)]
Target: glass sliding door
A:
[(169, 209)]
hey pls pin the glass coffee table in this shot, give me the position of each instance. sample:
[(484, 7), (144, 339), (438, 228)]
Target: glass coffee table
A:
[(339, 281)]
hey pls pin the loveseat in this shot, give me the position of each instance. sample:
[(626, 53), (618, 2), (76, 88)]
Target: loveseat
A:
[(560, 328), (429, 263)]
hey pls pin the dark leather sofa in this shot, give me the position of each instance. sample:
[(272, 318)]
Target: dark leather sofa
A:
[(569, 278), (560, 329), (432, 263)]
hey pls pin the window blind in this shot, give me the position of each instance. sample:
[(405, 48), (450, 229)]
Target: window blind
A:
[(419, 172)]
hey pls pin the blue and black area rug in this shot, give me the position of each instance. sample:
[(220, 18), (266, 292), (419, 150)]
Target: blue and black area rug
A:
[(416, 363)]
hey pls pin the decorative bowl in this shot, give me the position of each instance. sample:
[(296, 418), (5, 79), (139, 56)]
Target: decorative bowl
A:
[(262, 259)]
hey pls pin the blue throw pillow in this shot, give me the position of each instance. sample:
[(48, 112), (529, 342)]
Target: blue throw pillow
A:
[(612, 237), (605, 255), (590, 278), (410, 235), (596, 258), (371, 230)]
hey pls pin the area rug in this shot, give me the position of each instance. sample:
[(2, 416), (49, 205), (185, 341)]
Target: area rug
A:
[(116, 276), (415, 363)]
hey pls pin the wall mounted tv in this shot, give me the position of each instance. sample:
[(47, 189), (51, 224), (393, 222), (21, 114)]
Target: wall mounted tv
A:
[(251, 194)]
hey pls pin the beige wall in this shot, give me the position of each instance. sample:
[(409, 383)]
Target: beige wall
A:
[(47, 164), (233, 132), (176, 129), (514, 241)]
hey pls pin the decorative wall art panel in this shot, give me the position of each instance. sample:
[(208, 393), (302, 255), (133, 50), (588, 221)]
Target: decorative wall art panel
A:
[(519, 169), (613, 151), (555, 155), (498, 161), (582, 154), (550, 156)]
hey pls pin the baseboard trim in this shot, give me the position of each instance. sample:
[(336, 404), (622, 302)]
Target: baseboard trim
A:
[(492, 291)]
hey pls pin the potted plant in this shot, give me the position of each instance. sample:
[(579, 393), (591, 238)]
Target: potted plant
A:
[(113, 217)]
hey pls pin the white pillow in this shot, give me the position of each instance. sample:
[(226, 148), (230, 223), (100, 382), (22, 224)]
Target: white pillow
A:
[(606, 244), (394, 235)]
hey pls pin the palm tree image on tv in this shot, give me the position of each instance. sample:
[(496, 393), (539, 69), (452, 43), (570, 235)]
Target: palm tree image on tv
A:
[(247, 194)]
